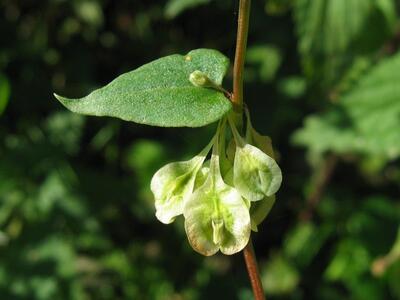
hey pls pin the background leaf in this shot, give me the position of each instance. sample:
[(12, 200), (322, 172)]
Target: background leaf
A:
[(333, 32), (160, 93), (263, 61), (4, 92), (279, 276), (366, 120), (176, 7)]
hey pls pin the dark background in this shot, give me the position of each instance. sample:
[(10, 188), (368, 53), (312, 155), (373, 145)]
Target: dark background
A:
[(76, 214)]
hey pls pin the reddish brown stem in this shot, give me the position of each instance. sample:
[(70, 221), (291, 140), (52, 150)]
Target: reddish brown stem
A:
[(240, 54), (252, 269), (237, 100)]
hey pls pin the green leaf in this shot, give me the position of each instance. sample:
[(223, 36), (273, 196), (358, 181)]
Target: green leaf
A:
[(304, 241), (4, 93), (365, 121), (160, 93), (350, 260), (176, 7)]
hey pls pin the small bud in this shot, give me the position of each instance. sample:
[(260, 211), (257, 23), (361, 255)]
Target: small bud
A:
[(200, 79)]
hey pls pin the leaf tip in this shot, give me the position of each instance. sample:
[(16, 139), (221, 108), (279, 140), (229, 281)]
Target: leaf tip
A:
[(67, 102), (60, 98)]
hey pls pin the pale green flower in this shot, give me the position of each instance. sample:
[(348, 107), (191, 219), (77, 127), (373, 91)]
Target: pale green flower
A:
[(256, 175), (260, 209), (216, 216), (173, 184)]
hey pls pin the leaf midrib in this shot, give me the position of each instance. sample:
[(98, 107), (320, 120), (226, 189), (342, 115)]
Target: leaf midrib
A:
[(159, 89)]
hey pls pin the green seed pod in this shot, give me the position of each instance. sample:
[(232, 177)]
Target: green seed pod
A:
[(262, 142), (216, 216), (202, 175), (256, 175), (173, 184), (230, 150), (226, 165), (259, 211), (254, 138)]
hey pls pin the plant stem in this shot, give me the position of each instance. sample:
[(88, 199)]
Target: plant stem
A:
[(252, 269), (237, 100), (240, 54)]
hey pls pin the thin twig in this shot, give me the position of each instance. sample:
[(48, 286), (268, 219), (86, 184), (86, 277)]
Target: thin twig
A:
[(321, 181), (381, 264), (252, 269)]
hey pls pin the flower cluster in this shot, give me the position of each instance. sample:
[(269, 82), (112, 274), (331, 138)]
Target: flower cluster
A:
[(222, 198)]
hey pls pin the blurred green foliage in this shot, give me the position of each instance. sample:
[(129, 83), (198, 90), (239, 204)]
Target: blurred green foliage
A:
[(76, 214), (4, 92)]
